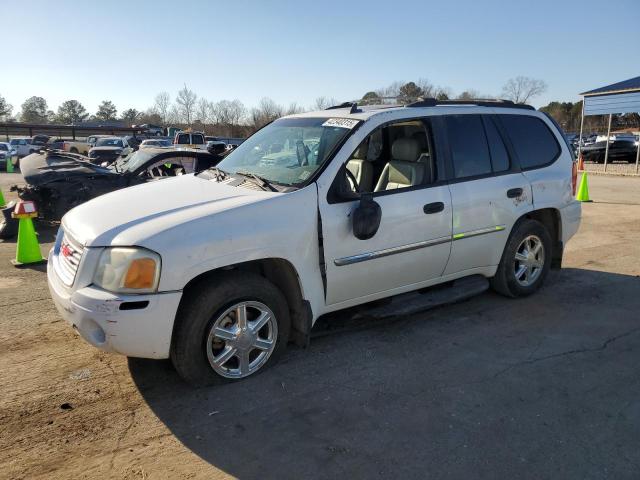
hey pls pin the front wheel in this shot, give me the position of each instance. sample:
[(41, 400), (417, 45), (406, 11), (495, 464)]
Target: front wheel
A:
[(526, 260), (229, 329)]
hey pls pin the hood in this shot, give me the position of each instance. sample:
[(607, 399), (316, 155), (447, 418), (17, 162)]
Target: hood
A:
[(128, 216), (41, 168)]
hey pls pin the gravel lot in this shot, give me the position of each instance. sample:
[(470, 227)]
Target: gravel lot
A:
[(545, 387)]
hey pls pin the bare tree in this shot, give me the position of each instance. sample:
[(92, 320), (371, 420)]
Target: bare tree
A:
[(173, 115), (202, 111), (236, 113), (186, 101), (162, 105), (428, 89), (294, 108), (521, 89), (323, 103), (266, 111)]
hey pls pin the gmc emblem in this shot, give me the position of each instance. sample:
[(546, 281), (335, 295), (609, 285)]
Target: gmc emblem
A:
[(66, 250)]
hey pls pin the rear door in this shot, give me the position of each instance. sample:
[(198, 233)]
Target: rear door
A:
[(488, 191)]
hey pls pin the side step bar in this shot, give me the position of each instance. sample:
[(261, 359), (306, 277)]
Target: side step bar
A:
[(400, 306)]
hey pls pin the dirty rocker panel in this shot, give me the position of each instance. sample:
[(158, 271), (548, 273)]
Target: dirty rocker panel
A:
[(362, 257)]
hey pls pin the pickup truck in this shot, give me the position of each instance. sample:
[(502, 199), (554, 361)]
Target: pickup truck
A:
[(316, 213)]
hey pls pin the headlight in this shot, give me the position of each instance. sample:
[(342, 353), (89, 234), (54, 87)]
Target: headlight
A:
[(128, 270)]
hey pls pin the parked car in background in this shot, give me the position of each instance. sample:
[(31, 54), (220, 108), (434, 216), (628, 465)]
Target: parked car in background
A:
[(6, 154), (76, 146), (92, 139), (109, 149), (315, 213), (216, 148), (156, 143), (624, 150), (190, 140), (58, 181), (21, 146), (149, 129)]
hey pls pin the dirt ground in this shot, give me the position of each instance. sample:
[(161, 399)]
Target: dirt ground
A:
[(544, 387)]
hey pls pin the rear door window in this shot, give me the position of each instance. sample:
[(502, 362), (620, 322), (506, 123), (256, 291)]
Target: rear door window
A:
[(533, 142), (468, 145)]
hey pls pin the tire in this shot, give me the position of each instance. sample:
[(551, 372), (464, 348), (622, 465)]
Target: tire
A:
[(207, 304), (73, 150), (505, 280)]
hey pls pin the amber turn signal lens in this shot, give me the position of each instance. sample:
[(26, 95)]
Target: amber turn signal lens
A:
[(141, 273)]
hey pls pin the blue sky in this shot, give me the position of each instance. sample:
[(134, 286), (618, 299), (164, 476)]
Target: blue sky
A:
[(295, 51)]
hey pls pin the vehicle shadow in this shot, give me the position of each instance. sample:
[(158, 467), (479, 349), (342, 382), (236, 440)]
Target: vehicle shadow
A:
[(456, 391)]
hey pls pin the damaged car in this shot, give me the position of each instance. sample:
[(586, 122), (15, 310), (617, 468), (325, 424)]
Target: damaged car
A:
[(58, 181)]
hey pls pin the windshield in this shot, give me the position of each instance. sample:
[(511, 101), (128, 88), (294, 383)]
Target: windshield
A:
[(289, 150), (109, 142), (134, 160), (4, 146)]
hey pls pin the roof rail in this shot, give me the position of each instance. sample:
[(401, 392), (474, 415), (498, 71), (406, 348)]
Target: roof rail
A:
[(480, 102), (353, 105)]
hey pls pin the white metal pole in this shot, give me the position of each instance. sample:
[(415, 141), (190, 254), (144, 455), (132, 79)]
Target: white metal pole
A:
[(606, 151), (637, 153), (581, 125)]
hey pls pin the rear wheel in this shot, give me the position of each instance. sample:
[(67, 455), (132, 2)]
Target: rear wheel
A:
[(73, 150), (525, 261), (230, 329)]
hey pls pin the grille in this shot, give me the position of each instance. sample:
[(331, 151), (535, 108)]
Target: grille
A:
[(68, 257)]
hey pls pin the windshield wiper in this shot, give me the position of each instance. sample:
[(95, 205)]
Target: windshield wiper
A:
[(261, 181), (218, 174)]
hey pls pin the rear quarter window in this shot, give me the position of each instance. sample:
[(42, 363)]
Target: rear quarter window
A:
[(534, 143)]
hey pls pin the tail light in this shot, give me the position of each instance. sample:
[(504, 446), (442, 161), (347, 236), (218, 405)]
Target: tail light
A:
[(574, 177)]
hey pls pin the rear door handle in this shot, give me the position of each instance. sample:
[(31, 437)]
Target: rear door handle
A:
[(514, 192), (434, 207)]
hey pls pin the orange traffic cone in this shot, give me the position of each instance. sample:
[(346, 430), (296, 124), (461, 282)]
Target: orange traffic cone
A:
[(28, 248)]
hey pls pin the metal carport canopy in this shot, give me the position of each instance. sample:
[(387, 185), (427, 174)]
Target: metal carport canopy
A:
[(617, 98)]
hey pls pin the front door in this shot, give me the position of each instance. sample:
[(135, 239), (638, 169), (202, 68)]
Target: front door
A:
[(397, 163)]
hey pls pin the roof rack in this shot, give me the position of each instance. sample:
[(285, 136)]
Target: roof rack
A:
[(480, 102), (353, 105)]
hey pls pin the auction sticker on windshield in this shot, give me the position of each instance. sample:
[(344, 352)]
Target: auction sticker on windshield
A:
[(340, 123)]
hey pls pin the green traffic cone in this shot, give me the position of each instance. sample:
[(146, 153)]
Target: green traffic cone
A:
[(28, 251), (2, 202), (583, 189)]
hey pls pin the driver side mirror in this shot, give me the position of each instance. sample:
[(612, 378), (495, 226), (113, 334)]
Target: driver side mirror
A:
[(366, 217)]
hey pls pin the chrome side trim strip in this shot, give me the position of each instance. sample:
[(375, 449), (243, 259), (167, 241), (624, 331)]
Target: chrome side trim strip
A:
[(363, 257), (475, 233)]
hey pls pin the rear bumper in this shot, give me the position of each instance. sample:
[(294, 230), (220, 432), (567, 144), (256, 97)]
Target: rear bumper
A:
[(97, 316), (570, 216)]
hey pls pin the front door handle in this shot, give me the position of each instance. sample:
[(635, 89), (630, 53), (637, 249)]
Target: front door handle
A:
[(434, 207), (514, 192)]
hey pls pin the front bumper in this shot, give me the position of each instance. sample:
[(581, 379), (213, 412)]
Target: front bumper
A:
[(98, 317)]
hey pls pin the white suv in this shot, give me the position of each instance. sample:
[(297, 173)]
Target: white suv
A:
[(314, 213)]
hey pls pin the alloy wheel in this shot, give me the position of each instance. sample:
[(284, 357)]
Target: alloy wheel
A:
[(241, 339)]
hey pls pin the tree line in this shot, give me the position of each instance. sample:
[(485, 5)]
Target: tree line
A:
[(233, 118), (568, 115)]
